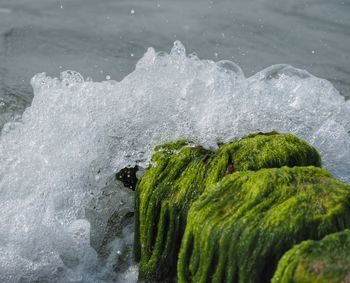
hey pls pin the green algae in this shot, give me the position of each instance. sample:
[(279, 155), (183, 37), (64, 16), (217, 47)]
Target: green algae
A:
[(324, 261), (239, 229), (272, 150), (180, 173)]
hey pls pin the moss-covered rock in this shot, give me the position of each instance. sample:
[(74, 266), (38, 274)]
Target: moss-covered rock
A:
[(239, 229), (324, 261), (180, 173)]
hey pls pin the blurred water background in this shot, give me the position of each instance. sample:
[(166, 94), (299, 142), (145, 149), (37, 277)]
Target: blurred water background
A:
[(107, 37)]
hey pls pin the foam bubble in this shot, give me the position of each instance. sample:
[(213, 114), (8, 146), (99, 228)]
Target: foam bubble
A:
[(78, 133)]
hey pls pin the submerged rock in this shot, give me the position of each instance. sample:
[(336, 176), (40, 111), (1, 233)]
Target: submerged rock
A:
[(239, 229), (108, 213), (111, 215), (324, 261), (180, 172)]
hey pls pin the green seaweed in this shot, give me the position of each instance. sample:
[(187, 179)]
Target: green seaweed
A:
[(324, 261), (239, 229), (180, 172)]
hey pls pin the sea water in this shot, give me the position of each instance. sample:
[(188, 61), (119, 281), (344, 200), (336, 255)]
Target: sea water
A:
[(106, 38), (59, 157)]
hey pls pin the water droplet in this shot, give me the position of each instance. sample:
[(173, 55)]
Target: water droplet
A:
[(132, 11), (108, 77), (132, 54), (69, 78), (178, 49)]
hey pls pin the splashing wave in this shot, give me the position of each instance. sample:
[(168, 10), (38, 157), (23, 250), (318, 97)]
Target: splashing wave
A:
[(78, 133)]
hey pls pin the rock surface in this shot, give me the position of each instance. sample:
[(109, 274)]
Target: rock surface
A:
[(239, 229), (324, 261), (180, 172)]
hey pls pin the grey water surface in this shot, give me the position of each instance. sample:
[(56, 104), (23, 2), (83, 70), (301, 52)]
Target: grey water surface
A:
[(102, 38)]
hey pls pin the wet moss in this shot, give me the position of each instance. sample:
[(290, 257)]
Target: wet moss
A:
[(239, 229), (180, 173), (324, 261), (272, 150)]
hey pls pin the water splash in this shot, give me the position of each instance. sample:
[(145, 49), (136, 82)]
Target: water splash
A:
[(78, 133)]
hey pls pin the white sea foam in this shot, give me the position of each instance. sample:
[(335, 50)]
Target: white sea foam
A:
[(77, 133)]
